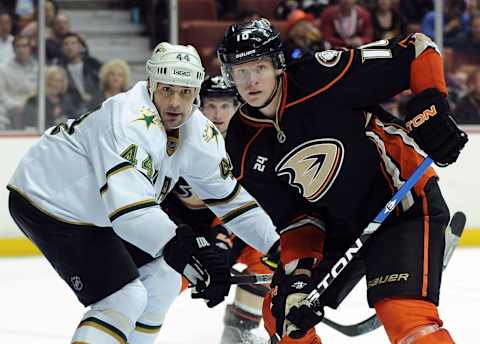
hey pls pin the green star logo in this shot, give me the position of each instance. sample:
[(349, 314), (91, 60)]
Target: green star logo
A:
[(149, 117), (211, 132)]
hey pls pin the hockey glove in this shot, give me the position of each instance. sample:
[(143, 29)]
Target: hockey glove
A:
[(430, 123), (199, 262), (289, 291)]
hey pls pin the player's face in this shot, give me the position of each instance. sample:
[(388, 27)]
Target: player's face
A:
[(219, 110), (255, 80), (174, 103)]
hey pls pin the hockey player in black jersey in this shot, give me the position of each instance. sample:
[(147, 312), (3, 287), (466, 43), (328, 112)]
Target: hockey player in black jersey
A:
[(319, 154), (218, 103)]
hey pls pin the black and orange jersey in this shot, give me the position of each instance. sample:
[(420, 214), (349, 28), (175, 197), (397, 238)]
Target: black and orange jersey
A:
[(331, 151)]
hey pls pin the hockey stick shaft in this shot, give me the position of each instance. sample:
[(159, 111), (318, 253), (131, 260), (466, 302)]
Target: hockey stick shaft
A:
[(365, 235), (251, 279), (453, 233)]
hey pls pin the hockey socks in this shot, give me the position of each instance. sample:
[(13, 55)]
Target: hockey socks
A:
[(411, 321)]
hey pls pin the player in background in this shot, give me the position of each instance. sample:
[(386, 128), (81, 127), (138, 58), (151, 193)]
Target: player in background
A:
[(218, 103), (88, 194), (319, 154)]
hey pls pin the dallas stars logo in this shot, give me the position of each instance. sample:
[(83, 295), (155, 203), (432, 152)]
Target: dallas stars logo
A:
[(210, 133), (149, 117)]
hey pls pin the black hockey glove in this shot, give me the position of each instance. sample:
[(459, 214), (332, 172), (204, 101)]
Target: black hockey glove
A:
[(200, 263), (430, 123), (289, 290)]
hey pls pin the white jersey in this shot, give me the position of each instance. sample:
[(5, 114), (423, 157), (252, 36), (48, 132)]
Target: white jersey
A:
[(113, 167)]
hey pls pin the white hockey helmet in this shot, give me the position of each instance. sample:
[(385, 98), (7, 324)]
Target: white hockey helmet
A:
[(174, 65)]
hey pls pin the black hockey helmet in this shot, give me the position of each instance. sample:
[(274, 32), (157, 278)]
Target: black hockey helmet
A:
[(249, 41), (215, 86)]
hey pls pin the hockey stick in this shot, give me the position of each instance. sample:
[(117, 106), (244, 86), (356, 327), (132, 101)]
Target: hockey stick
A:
[(312, 300), (453, 233)]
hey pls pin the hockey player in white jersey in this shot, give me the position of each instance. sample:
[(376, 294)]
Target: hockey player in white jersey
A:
[(88, 194)]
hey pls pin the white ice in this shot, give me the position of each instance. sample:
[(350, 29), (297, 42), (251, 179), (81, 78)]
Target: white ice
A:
[(36, 307)]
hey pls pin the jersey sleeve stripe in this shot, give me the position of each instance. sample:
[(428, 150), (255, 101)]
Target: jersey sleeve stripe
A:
[(239, 211), (147, 328), (231, 195), (106, 328), (118, 168), (132, 207)]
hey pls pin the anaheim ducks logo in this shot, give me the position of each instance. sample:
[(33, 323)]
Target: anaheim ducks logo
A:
[(328, 58), (313, 167), (187, 197)]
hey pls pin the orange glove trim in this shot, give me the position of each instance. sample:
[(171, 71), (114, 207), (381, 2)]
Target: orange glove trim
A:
[(427, 72)]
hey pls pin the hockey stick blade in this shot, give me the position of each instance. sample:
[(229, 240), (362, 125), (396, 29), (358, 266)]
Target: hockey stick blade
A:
[(366, 326), (452, 235), (453, 232)]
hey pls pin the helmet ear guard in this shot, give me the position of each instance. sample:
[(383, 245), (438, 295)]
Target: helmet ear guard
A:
[(174, 65), (247, 42)]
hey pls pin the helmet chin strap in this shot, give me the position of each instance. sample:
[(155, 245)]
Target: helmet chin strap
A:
[(274, 92)]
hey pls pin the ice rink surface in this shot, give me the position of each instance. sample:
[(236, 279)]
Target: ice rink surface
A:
[(36, 307)]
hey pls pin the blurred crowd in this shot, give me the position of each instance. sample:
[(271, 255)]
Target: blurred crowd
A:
[(77, 81)]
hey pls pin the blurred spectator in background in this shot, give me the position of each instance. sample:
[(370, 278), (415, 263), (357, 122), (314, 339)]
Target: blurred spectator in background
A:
[(454, 21), (6, 37), (386, 20), (227, 9), (82, 71), (114, 79), (314, 7), (53, 52), (346, 24), (61, 26), (455, 77), (466, 46), (8, 6), (58, 105), (25, 13), (304, 38), (468, 107), (51, 10), (18, 81), (414, 10)]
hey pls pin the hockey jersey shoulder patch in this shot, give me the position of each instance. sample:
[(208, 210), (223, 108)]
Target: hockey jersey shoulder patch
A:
[(328, 58)]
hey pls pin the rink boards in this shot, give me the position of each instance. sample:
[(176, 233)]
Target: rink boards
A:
[(460, 185)]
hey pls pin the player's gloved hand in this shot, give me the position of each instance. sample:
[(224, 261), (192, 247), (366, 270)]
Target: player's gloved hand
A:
[(289, 291), (223, 238), (430, 123), (193, 256)]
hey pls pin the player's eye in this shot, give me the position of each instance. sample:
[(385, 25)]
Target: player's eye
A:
[(167, 91)]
